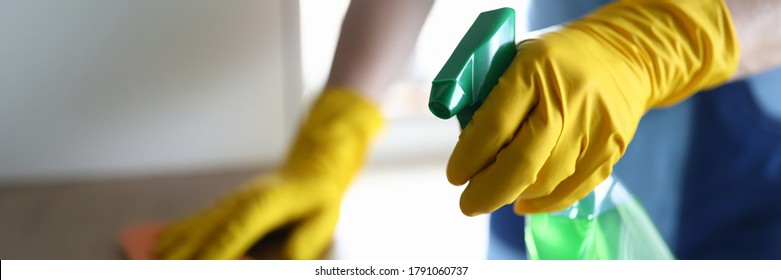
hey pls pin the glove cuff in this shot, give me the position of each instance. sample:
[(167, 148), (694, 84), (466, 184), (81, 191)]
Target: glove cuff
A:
[(334, 138), (676, 47)]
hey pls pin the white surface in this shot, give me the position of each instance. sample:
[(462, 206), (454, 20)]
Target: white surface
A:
[(403, 212), (92, 88), (105, 88)]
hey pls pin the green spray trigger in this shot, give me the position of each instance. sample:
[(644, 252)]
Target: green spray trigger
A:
[(475, 66), (609, 223)]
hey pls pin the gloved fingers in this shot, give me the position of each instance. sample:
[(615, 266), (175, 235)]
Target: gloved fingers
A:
[(494, 124), (182, 240), (169, 236), (176, 231), (188, 242), (595, 166), (516, 166), (556, 169), (254, 217), (312, 235), (229, 240)]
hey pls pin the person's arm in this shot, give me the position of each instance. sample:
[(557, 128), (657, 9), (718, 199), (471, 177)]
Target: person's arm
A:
[(756, 23), (303, 195), (376, 39)]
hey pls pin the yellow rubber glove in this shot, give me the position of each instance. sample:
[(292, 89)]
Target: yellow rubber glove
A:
[(307, 189), (565, 110)]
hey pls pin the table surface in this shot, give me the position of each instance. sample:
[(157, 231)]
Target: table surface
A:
[(397, 211)]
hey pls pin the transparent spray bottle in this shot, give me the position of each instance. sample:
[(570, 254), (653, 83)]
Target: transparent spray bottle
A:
[(609, 223)]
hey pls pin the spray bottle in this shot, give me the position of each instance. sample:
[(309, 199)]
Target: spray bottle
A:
[(609, 223)]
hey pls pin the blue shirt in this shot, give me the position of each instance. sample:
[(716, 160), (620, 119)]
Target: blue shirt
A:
[(708, 170)]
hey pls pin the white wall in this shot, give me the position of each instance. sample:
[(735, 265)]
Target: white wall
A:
[(117, 88), (131, 87)]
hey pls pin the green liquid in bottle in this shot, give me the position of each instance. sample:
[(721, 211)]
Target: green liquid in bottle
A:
[(562, 238), (609, 224)]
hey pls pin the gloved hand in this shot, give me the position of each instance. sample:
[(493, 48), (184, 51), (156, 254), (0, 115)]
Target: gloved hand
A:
[(565, 110), (306, 190)]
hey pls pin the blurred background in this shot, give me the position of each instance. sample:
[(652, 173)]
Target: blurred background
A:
[(118, 112)]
